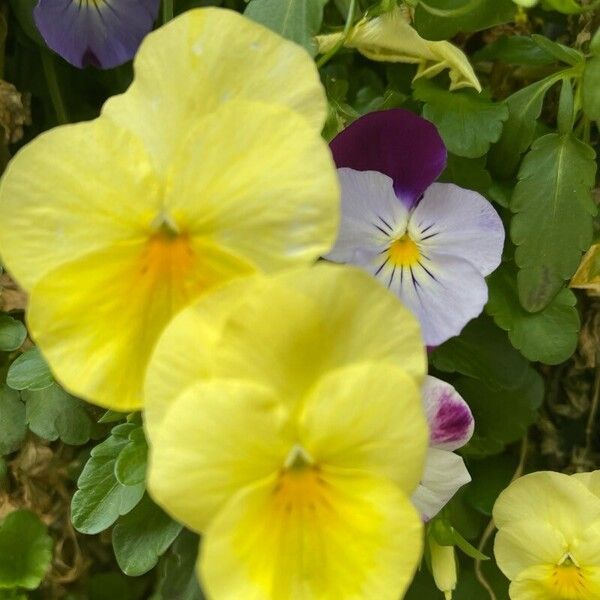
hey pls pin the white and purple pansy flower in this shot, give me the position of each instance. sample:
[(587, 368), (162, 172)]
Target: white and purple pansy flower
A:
[(450, 427), (432, 244), (98, 33)]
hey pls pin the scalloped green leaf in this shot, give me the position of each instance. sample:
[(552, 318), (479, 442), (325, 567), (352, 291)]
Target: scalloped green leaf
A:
[(553, 221), (101, 499), (467, 121), (549, 336), (482, 351), (52, 413), (296, 20), (29, 372), (25, 550), (142, 536), (12, 420), (501, 416)]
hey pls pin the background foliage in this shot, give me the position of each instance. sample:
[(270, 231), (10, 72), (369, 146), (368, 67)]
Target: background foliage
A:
[(75, 521)]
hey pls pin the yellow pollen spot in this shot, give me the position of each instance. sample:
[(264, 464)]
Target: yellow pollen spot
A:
[(568, 582), (404, 252), (168, 256), (300, 490)]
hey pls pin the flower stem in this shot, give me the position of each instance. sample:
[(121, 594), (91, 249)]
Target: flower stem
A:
[(450, 12), (54, 88), (167, 10), (349, 21)]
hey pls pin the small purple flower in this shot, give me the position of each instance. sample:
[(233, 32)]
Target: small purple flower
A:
[(100, 33), (430, 243), (451, 427)]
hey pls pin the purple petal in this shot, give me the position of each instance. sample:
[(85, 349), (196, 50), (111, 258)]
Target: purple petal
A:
[(398, 143), (450, 419), (100, 33)]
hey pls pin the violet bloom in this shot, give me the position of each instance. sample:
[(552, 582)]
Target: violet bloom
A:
[(451, 427), (100, 33), (431, 243)]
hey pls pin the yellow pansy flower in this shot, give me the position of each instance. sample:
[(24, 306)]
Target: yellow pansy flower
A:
[(548, 542), (391, 38), (209, 167), (285, 425)]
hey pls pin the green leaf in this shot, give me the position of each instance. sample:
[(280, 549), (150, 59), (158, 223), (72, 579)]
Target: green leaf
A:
[(101, 499), (141, 537), (178, 579), (23, 11), (549, 336), (54, 414), (112, 416), (482, 351), (296, 20), (130, 467), (29, 372), (595, 43), (468, 173), (12, 420), (466, 120), (567, 7), (25, 550), (490, 476), (460, 16), (445, 534), (12, 333), (563, 53), (501, 416), (514, 50), (591, 89), (566, 108), (524, 108), (553, 221)]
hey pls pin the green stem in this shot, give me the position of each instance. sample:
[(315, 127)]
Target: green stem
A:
[(450, 12), (333, 51), (167, 10), (54, 88)]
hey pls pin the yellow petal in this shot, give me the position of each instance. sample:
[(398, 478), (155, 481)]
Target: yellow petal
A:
[(206, 57), (296, 326), (342, 426), (96, 319), (219, 436), (443, 567), (390, 38), (68, 193), (587, 276), (523, 544), (549, 582), (265, 188), (590, 480), (549, 497), (311, 538), (586, 550)]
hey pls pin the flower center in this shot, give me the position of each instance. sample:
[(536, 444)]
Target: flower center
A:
[(300, 489), (404, 252), (568, 581)]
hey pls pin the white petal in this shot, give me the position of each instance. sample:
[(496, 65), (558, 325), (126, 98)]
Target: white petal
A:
[(445, 473), (443, 292), (450, 419), (371, 214), (461, 223)]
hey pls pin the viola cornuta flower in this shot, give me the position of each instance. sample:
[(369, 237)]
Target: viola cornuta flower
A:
[(98, 33), (221, 172), (431, 243), (292, 435), (548, 543), (451, 426)]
